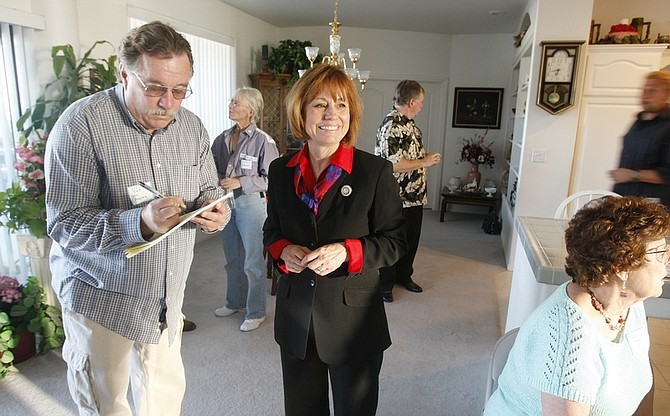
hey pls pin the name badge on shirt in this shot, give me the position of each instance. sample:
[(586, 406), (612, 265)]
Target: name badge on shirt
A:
[(139, 195), (246, 161), (250, 158)]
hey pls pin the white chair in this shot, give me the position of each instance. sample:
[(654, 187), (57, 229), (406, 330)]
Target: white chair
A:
[(498, 359), (574, 202)]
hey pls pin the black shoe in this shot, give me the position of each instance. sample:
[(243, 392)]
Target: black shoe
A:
[(188, 325), (412, 287), (387, 296)]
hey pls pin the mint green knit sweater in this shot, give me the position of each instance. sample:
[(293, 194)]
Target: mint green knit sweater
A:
[(560, 352)]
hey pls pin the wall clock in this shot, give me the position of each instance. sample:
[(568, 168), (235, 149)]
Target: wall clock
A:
[(558, 71)]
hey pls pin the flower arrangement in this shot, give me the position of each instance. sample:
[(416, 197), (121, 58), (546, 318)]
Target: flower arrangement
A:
[(23, 203), (476, 152), (22, 309)]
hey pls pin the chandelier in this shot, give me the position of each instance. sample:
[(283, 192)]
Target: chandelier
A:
[(336, 57)]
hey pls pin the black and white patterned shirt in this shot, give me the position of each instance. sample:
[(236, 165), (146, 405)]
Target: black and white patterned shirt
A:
[(94, 153), (398, 137)]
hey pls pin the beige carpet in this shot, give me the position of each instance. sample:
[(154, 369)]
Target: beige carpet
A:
[(436, 366)]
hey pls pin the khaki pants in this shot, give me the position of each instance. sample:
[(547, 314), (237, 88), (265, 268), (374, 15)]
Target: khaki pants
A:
[(101, 363)]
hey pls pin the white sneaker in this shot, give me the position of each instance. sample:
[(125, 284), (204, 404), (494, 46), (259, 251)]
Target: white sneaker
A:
[(251, 324), (221, 312)]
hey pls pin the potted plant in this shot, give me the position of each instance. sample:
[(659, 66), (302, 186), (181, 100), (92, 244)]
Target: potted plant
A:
[(23, 313), (22, 205), (289, 57)]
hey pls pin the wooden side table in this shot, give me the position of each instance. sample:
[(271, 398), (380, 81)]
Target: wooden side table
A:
[(467, 198)]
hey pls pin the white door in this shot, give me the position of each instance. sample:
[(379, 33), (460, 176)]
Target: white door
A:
[(378, 100)]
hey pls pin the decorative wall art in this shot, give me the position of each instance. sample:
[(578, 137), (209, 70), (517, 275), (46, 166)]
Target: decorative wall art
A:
[(477, 108)]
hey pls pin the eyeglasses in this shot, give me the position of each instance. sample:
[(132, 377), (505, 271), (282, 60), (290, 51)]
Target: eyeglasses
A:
[(662, 256), (155, 90)]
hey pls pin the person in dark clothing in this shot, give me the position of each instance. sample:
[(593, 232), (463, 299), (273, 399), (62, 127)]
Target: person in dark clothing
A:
[(644, 167)]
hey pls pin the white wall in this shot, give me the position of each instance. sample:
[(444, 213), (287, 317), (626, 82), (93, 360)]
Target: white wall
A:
[(610, 12), (479, 61)]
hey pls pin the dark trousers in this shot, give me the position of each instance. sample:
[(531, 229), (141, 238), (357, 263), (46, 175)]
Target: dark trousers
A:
[(355, 385), (401, 271)]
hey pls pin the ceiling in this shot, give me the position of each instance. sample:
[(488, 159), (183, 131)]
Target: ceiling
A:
[(430, 16)]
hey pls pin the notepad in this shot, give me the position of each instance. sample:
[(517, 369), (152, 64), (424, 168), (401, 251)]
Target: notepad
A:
[(138, 248)]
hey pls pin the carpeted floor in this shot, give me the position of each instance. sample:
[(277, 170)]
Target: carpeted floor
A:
[(436, 366)]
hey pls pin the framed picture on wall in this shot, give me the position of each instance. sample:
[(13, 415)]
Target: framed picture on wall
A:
[(477, 108)]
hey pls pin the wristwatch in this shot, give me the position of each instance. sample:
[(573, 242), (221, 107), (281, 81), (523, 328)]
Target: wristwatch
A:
[(635, 176)]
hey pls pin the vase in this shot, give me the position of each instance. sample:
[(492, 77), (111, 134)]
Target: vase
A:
[(37, 248), (474, 176), (26, 347)]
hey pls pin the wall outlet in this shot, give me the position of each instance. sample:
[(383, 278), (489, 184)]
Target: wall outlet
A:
[(538, 155)]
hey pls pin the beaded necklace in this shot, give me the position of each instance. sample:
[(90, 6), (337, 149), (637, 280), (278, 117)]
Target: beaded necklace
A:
[(598, 305)]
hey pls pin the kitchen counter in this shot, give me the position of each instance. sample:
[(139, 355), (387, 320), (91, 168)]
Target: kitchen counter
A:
[(539, 267)]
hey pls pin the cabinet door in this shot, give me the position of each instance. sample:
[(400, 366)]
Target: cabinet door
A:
[(274, 120), (602, 124)]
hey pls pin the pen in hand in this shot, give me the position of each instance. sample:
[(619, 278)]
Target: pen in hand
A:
[(151, 189), (159, 194)]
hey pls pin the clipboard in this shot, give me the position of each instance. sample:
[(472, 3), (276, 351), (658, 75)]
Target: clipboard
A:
[(157, 237)]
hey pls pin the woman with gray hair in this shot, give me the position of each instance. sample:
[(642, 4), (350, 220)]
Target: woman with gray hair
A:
[(243, 154)]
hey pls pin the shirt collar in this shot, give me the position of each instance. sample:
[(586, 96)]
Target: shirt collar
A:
[(343, 157)]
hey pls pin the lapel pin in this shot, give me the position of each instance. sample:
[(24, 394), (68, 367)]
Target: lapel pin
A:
[(346, 190)]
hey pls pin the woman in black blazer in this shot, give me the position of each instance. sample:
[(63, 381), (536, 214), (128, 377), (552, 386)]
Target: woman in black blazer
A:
[(334, 218)]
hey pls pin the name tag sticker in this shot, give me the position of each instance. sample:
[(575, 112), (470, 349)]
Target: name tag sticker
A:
[(250, 158), (139, 195), (245, 164)]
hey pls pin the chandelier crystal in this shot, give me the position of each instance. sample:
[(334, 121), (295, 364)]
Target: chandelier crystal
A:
[(336, 57)]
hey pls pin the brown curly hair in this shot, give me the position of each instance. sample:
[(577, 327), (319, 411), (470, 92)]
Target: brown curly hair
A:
[(333, 80), (610, 235)]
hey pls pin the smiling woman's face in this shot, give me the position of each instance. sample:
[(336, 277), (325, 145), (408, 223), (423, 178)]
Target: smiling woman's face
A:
[(327, 119)]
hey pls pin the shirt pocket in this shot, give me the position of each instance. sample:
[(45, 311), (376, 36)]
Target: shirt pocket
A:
[(186, 181)]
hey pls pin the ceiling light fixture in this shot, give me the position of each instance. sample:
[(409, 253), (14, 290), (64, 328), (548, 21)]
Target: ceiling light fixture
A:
[(336, 57)]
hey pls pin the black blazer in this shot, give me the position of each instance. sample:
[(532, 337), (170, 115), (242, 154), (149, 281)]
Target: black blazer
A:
[(346, 310)]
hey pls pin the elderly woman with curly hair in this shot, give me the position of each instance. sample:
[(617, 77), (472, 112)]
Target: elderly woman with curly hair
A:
[(585, 350)]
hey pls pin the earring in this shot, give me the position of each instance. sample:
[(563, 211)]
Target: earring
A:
[(623, 292)]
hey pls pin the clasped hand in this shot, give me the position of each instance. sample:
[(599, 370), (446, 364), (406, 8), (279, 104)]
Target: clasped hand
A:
[(322, 261)]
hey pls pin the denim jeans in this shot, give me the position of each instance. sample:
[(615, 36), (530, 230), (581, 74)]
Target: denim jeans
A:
[(242, 242)]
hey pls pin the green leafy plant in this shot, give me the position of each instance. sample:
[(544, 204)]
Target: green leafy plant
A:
[(75, 79), (22, 309), (22, 205), (289, 57)]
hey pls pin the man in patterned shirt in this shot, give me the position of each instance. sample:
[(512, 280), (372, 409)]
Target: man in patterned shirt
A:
[(122, 316), (399, 141)]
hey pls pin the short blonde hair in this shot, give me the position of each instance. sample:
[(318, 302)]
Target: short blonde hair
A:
[(333, 80)]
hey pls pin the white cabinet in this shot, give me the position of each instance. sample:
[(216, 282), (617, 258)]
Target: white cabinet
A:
[(613, 80)]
